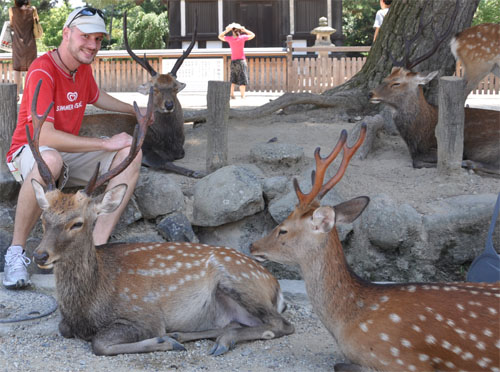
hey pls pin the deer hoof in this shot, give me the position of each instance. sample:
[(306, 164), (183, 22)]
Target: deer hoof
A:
[(175, 345), (198, 174), (219, 349)]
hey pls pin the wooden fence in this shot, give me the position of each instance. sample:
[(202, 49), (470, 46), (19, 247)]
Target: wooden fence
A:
[(296, 69)]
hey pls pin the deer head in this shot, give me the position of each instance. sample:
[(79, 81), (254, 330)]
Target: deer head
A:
[(65, 217), (307, 224), (165, 86)]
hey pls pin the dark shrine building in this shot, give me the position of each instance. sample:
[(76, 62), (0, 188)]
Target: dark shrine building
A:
[(270, 20)]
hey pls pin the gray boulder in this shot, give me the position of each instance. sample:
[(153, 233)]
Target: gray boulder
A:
[(227, 195)]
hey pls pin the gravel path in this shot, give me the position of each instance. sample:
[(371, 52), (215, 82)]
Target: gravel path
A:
[(37, 346)]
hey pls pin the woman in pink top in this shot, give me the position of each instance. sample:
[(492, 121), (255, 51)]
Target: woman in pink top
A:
[(239, 68)]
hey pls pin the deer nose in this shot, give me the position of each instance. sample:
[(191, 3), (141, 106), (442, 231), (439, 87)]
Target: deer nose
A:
[(40, 258), (169, 105), (370, 95)]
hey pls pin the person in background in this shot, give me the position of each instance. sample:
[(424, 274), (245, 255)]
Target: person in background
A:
[(23, 40), (379, 17), (68, 81), (239, 68)]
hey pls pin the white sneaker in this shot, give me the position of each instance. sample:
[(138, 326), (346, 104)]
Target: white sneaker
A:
[(15, 273)]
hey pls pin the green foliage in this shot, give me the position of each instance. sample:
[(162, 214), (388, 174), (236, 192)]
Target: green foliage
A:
[(358, 17), (488, 11), (146, 30), (52, 23)]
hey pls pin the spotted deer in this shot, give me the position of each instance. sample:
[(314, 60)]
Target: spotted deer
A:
[(382, 327), (416, 119), (164, 142), (144, 297), (478, 48)]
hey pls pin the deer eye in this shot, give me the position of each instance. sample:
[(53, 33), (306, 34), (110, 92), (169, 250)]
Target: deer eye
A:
[(76, 225), (282, 232), (393, 85)]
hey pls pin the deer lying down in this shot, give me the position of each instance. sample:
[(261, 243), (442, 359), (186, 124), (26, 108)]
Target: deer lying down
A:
[(416, 121), (396, 327), (143, 297)]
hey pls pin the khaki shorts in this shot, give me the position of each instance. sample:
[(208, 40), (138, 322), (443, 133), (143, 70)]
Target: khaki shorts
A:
[(78, 167)]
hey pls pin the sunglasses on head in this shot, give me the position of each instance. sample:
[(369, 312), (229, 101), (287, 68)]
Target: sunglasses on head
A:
[(86, 12)]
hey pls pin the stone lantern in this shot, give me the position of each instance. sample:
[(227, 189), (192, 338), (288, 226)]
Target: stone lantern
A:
[(323, 32)]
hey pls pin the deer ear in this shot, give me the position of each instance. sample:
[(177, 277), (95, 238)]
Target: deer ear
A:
[(424, 79), (180, 86), (348, 211), (323, 219), (111, 199), (144, 88), (43, 203)]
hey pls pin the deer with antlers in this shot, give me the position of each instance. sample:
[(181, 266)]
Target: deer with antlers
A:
[(416, 119), (478, 48), (164, 142), (382, 327), (142, 297)]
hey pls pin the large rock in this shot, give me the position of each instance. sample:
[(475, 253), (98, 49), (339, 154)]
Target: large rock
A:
[(227, 195), (157, 194), (278, 154)]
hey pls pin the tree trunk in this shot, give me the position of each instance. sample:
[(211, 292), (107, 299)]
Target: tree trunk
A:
[(402, 21)]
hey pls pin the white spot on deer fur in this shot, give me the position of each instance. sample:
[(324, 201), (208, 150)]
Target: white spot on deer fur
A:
[(203, 273), (411, 367), (457, 349), (423, 357), (395, 318), (227, 258), (439, 317), (497, 344), (384, 299), (181, 281), (445, 344), (430, 339), (363, 327), (245, 275), (483, 362), (374, 307), (472, 337), (487, 332), (473, 315), (416, 328), (460, 307), (481, 346), (400, 362), (384, 336), (437, 360), (450, 322), (467, 356), (423, 318), (172, 288), (412, 288), (449, 364), (406, 343)]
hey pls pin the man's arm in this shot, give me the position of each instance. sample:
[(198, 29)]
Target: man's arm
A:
[(110, 103), (250, 34)]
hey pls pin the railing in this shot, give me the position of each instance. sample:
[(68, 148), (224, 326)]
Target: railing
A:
[(270, 69)]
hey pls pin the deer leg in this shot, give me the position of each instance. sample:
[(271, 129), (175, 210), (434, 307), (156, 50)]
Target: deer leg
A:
[(201, 335), (155, 161), (274, 326), (345, 367), (122, 339), (481, 167)]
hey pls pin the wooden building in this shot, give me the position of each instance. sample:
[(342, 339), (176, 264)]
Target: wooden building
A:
[(271, 20)]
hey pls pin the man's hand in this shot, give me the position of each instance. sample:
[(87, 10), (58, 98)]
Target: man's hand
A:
[(118, 142)]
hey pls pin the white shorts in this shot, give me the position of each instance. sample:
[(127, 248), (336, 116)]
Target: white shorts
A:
[(78, 167)]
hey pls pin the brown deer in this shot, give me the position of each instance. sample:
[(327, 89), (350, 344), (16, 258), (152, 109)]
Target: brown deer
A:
[(143, 297), (478, 48), (164, 140), (416, 119), (383, 327)]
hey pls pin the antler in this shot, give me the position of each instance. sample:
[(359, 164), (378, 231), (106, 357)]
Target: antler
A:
[(141, 61), (181, 59), (34, 143), (318, 189), (139, 134), (438, 39)]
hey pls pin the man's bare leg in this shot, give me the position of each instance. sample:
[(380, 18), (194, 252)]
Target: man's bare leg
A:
[(106, 223)]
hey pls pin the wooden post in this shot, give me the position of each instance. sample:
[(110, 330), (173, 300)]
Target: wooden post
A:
[(8, 119), (289, 59), (217, 120), (450, 127)]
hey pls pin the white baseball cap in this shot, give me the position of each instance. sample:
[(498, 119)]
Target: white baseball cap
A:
[(88, 20)]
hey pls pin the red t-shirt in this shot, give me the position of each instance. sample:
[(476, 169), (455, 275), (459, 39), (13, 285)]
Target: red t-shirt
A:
[(70, 98), (237, 44)]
